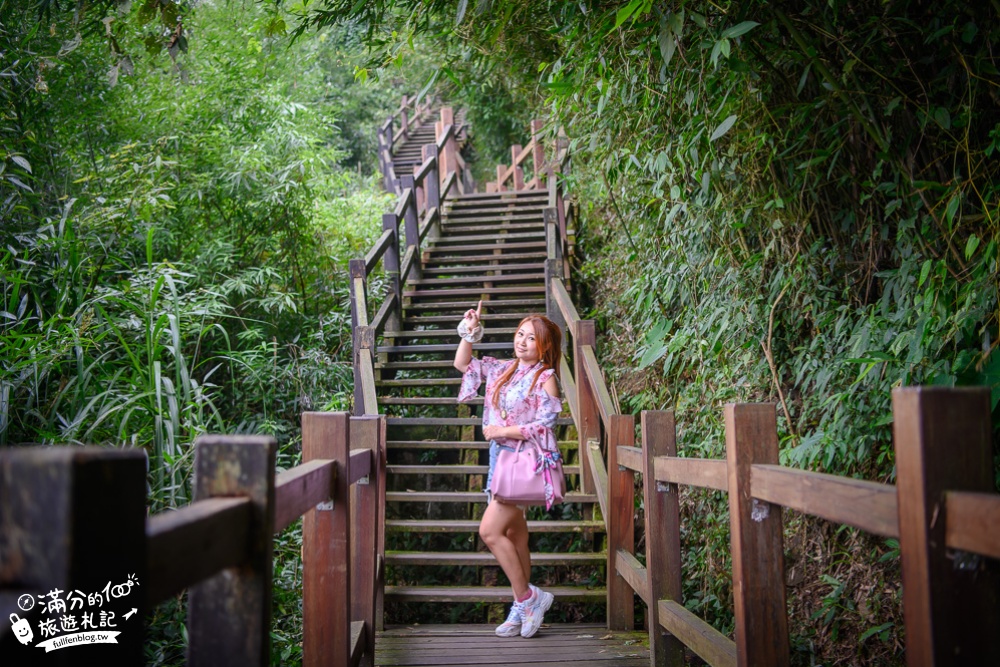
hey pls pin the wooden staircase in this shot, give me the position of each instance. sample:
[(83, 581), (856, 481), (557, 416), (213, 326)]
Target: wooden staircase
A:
[(490, 247)]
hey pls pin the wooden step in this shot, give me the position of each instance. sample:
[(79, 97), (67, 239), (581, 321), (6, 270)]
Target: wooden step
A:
[(465, 526), (489, 318), (468, 280), (506, 195), (456, 240), (437, 444), (485, 558), (425, 400), (467, 497), (484, 268), (418, 382), (518, 245), (480, 594), (445, 469), (497, 220), (501, 257), (459, 307), (418, 349), (457, 230), (445, 333), (472, 292), (415, 365), (453, 421), (534, 207)]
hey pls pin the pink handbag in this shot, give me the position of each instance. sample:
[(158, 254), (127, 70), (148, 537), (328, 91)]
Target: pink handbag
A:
[(524, 477)]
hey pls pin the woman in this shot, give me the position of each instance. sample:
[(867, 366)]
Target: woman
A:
[(522, 403)]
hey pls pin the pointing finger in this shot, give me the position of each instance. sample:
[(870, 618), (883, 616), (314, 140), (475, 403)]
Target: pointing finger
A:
[(479, 308)]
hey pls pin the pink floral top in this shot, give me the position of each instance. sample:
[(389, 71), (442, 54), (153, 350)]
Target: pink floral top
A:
[(534, 414)]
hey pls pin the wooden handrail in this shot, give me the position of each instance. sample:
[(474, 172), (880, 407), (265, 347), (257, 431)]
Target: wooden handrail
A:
[(569, 389), (600, 472), (405, 200), (407, 263), (449, 181), (375, 254), (565, 303), (299, 489), (431, 216), (389, 304), (427, 167), (368, 382), (971, 521), (596, 379), (705, 473), (869, 506), (633, 572), (711, 645), (216, 529), (360, 465)]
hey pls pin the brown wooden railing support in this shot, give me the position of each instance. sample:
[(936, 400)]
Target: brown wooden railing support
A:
[(663, 535), (73, 518), (449, 162), (756, 537), (411, 226), (229, 614), (380, 532), (590, 416), (620, 523), (366, 518), (390, 264), (951, 600), (326, 547), (553, 269)]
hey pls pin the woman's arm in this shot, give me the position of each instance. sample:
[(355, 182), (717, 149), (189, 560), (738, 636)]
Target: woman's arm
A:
[(463, 355)]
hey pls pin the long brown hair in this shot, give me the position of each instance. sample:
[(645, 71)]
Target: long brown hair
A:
[(548, 342)]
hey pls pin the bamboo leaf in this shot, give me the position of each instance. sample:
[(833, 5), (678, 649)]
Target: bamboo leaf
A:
[(739, 29), (626, 12), (723, 127)]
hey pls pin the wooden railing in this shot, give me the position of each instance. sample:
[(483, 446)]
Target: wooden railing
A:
[(75, 518), (943, 510), (418, 212), (397, 128)]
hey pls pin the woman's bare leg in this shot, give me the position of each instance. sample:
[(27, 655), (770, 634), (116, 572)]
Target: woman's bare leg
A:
[(498, 520), (517, 533)]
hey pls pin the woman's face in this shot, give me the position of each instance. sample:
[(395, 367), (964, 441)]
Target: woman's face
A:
[(525, 348)]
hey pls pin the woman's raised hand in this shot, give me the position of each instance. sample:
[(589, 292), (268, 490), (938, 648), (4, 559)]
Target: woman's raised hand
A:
[(472, 317)]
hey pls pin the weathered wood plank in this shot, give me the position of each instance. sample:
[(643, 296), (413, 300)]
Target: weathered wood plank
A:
[(866, 505), (943, 444), (971, 522), (600, 476), (375, 254), (595, 377), (366, 517), (621, 526), (630, 457), (632, 571), (565, 303), (714, 648), (705, 473), (326, 547), (663, 535), (229, 614), (756, 538), (301, 488), (216, 529)]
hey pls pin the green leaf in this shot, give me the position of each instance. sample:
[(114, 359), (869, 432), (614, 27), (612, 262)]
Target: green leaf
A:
[(971, 246), (626, 12), (667, 44), (723, 127), (952, 209), (739, 29), (925, 271), (460, 14), (21, 162)]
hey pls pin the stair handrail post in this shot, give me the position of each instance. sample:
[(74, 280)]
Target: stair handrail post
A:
[(663, 534), (358, 287), (411, 226), (419, 196), (391, 265), (381, 470), (229, 614), (326, 547), (756, 535), (432, 183), (620, 523), (515, 166), (450, 161), (553, 269), (365, 519), (404, 119), (589, 427), (79, 517), (537, 151), (942, 439)]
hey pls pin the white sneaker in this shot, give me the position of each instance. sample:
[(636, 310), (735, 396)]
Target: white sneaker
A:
[(533, 611), (512, 626)]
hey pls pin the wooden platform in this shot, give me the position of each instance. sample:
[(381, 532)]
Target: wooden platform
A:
[(562, 645)]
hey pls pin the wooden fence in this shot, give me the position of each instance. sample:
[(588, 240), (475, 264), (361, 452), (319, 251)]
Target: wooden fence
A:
[(72, 516), (943, 509), (396, 129)]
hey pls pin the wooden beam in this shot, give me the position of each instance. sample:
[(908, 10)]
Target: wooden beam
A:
[(756, 537), (326, 547), (630, 457), (633, 572), (365, 519), (600, 476), (301, 488), (971, 522), (866, 505), (565, 303), (951, 602), (216, 529), (620, 522), (229, 614), (663, 535), (360, 462), (375, 254), (711, 645), (588, 421), (595, 377), (704, 473)]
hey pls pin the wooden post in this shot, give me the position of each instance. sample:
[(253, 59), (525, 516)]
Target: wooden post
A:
[(756, 535), (553, 269), (380, 529), (390, 263), (363, 339), (621, 524), (450, 146), (663, 535), (404, 118), (73, 519), (590, 416), (433, 188), (518, 174), (950, 600), (359, 317), (538, 150), (501, 177), (365, 518), (411, 225), (420, 200), (229, 614), (326, 548)]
